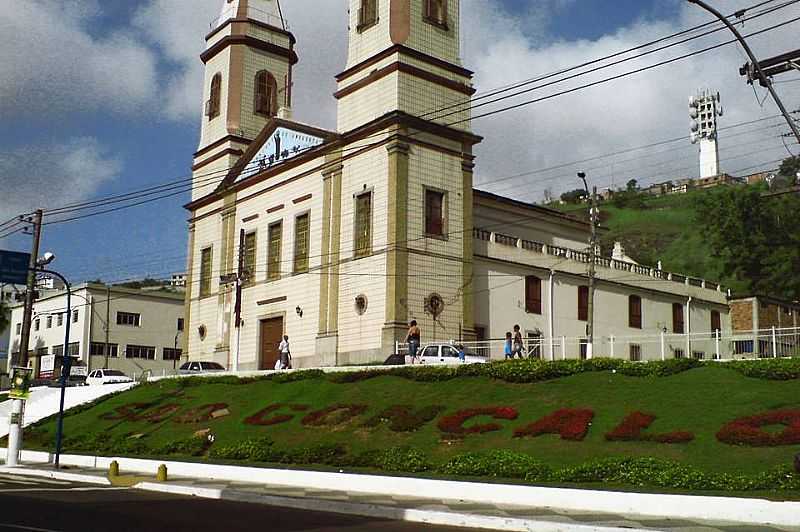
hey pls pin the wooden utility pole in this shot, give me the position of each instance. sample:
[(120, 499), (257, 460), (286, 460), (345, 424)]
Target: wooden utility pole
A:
[(25, 334)]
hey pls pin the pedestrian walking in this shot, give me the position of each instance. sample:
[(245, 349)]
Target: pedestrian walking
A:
[(286, 354), (507, 349), (518, 345), (462, 353), (412, 339)]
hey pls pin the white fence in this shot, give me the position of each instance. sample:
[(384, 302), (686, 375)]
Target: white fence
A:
[(765, 343)]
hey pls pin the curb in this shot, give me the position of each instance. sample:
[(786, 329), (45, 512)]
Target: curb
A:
[(56, 475), (430, 517)]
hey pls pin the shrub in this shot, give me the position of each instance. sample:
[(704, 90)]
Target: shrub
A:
[(403, 418), (333, 415), (498, 463), (402, 459), (748, 430), (193, 446), (569, 423), (775, 369), (454, 423), (259, 418), (253, 449), (631, 428)]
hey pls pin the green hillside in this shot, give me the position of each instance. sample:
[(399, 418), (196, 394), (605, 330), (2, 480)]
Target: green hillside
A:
[(660, 228), (678, 424)]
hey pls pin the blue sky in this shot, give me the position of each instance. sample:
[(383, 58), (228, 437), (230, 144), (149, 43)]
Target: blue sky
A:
[(102, 100)]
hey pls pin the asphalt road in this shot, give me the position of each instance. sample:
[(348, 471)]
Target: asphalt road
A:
[(45, 505)]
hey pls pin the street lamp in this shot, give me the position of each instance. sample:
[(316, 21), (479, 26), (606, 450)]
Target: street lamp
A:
[(592, 258), (759, 71), (66, 359)]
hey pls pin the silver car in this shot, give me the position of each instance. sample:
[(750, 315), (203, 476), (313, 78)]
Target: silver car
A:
[(192, 368), (445, 353)]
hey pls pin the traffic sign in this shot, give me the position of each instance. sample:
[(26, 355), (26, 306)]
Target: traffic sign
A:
[(14, 267)]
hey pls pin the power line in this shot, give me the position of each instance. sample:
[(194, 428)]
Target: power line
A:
[(157, 189)]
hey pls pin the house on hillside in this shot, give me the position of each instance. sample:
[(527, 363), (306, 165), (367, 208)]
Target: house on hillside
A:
[(339, 237), (132, 330)]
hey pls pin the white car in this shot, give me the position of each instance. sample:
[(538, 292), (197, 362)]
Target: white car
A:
[(445, 353), (107, 376)]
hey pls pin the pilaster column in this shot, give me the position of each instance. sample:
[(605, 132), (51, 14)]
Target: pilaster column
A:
[(468, 269), (397, 236)]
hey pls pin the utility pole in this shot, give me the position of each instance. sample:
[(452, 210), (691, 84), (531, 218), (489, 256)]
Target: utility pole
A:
[(240, 274), (754, 64), (592, 259), (108, 323), (16, 419), (25, 336)]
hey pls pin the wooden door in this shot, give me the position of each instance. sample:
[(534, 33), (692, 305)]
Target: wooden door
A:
[(271, 334)]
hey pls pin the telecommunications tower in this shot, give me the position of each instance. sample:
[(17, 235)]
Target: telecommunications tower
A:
[(704, 108)]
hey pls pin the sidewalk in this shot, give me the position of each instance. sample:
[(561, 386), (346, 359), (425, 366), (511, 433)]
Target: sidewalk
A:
[(439, 511)]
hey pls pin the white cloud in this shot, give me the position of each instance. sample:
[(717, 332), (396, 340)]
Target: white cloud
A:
[(59, 173), (50, 63)]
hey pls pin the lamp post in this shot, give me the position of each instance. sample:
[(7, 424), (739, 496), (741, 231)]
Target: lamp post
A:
[(592, 251), (759, 71), (66, 363)]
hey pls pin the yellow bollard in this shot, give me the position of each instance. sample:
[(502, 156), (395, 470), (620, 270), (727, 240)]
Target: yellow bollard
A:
[(161, 476), (113, 469)]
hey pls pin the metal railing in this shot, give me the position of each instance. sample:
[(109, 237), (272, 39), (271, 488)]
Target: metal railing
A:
[(719, 345)]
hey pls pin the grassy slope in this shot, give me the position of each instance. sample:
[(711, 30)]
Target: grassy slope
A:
[(664, 230), (700, 400)]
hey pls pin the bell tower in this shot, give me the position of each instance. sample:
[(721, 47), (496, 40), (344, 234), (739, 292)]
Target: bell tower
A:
[(248, 62), (404, 55)]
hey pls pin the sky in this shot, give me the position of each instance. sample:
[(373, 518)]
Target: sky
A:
[(104, 97)]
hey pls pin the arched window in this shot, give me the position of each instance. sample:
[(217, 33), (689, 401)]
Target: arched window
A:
[(213, 103), (266, 94)]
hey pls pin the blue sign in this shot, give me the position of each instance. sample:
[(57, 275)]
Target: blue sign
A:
[(14, 267)]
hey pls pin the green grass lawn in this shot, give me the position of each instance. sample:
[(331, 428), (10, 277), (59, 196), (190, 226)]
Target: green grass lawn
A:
[(699, 400)]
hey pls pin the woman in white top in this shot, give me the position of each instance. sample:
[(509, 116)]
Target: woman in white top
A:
[(286, 356)]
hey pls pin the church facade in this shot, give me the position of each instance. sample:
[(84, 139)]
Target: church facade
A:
[(339, 238)]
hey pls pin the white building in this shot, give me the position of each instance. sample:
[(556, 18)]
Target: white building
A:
[(142, 329), (347, 235)]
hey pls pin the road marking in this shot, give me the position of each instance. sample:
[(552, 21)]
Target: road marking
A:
[(25, 527), (27, 490), (28, 480)]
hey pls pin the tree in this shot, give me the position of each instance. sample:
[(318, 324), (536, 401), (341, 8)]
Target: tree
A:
[(789, 168), (755, 238), (574, 196), (632, 186)]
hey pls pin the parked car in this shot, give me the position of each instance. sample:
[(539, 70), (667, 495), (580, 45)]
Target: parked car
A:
[(107, 376), (445, 353), (72, 380), (190, 368)]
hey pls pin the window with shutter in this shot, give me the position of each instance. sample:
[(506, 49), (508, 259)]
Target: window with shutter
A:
[(205, 272), (363, 225), (266, 94), (367, 14), (250, 257), (635, 312), (436, 12), (301, 243), (533, 295), (213, 105), (583, 303), (274, 251), (715, 321), (677, 318), (434, 213)]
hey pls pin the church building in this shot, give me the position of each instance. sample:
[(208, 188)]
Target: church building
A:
[(338, 238)]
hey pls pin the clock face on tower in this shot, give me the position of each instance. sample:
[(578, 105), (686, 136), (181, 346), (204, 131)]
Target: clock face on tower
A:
[(281, 146)]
